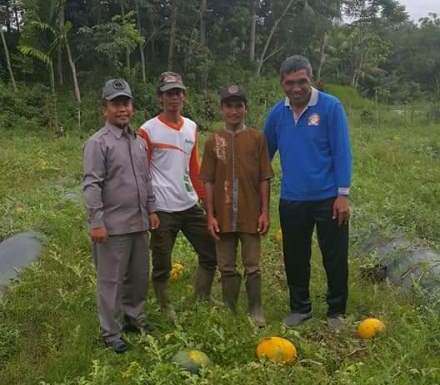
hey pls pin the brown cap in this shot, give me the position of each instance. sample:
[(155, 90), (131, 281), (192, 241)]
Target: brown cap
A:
[(232, 91), (169, 80)]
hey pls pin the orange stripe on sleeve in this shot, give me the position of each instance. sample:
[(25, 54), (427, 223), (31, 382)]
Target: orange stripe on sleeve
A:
[(194, 171)]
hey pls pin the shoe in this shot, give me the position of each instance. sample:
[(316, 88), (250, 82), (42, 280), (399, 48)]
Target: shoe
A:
[(336, 322), (295, 319), (118, 345)]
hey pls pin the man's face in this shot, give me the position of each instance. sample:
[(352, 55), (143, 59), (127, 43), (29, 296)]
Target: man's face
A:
[(119, 111), (233, 111), (172, 100), (297, 86)]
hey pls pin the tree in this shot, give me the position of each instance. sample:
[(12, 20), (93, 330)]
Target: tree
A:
[(253, 30), (173, 26), (264, 57), (141, 43), (45, 58), (8, 59)]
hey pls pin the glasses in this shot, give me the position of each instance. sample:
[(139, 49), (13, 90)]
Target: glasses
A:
[(298, 83)]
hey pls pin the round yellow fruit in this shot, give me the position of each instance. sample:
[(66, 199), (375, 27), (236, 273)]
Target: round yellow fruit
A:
[(279, 236), (191, 360), (176, 271), (369, 327), (276, 349)]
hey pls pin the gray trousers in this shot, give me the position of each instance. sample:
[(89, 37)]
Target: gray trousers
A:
[(122, 280)]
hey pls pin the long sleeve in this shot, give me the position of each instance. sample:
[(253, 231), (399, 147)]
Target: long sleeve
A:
[(271, 135), (194, 171), (151, 198), (340, 148), (93, 179)]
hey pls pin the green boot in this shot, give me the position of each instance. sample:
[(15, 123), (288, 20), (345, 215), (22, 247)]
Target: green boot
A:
[(231, 290), (253, 289), (161, 291)]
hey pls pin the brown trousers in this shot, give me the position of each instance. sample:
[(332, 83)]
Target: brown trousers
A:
[(250, 253)]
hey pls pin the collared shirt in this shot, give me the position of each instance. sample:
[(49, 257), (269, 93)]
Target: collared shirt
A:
[(116, 184), (236, 163), (312, 102), (314, 148)]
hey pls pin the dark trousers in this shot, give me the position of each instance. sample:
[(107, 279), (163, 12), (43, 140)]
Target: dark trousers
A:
[(298, 220), (192, 222)]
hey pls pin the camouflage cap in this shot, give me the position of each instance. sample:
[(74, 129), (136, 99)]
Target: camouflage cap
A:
[(169, 80), (232, 91)]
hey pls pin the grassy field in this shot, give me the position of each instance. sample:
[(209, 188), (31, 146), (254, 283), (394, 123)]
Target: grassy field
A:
[(48, 326)]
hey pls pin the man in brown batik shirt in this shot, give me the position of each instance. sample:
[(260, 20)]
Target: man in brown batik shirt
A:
[(236, 171)]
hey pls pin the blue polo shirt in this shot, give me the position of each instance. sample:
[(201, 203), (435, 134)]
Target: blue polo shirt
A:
[(314, 148)]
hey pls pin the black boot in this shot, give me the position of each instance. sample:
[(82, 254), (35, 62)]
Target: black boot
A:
[(253, 289), (231, 290)]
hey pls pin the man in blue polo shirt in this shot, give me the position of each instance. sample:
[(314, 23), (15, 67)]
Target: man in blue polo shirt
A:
[(309, 129)]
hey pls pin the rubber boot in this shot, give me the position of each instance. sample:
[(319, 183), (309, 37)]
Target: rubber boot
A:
[(161, 291), (231, 290), (253, 289), (203, 284)]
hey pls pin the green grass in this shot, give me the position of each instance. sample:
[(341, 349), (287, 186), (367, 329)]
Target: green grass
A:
[(48, 326)]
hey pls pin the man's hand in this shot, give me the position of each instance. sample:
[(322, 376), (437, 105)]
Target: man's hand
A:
[(99, 234), (213, 227), (341, 210), (154, 221), (263, 223)]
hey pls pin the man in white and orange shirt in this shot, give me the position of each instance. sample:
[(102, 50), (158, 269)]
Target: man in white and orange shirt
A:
[(174, 167)]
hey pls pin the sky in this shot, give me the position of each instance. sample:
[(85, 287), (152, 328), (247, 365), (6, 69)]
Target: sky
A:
[(421, 8)]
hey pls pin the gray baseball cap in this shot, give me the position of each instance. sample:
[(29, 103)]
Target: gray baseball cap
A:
[(116, 87)]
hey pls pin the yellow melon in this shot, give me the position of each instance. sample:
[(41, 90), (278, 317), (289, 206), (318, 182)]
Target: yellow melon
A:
[(176, 271), (276, 349), (370, 327), (279, 236)]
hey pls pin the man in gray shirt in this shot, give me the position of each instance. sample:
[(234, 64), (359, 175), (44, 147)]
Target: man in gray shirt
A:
[(120, 205)]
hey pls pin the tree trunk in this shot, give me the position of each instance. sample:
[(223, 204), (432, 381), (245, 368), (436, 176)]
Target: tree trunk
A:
[(203, 9), (172, 35), (127, 51), (17, 19), (8, 60), (263, 57), (54, 99), (60, 48), (74, 74), (322, 55), (141, 45), (252, 39)]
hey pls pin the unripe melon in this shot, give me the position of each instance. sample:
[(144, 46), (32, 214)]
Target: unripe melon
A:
[(276, 349), (369, 327), (191, 360)]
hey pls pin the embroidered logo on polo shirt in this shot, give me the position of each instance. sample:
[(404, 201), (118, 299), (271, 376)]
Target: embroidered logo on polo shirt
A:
[(314, 120)]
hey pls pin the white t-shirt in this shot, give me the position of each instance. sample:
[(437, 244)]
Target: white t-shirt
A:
[(174, 164)]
